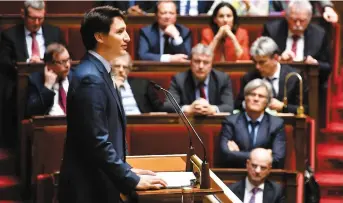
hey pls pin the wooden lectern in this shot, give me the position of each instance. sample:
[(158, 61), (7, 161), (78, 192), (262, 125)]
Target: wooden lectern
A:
[(218, 191)]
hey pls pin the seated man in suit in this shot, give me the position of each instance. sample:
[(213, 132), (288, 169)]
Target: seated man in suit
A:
[(47, 91), (193, 7), (252, 128), (165, 40), (137, 94), (300, 40), (264, 53), (256, 187), (201, 90), (24, 42)]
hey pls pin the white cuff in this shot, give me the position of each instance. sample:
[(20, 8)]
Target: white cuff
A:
[(217, 109), (177, 41), (165, 58)]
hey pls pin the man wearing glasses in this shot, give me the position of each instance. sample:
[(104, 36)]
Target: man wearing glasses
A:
[(264, 52), (252, 128), (256, 187), (47, 91)]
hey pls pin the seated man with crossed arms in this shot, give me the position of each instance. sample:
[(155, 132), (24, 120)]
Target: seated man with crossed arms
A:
[(252, 128)]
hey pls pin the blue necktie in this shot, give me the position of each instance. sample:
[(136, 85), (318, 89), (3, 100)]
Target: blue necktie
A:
[(187, 7), (252, 132)]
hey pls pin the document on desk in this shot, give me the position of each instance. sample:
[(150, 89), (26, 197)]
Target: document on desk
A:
[(177, 179)]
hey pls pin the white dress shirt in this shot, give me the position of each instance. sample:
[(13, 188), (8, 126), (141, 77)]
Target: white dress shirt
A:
[(40, 40), (275, 82), (193, 7), (129, 103), (176, 42), (299, 56), (56, 109), (248, 192)]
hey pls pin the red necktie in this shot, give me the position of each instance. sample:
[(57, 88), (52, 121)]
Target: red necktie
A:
[(294, 44), (62, 98), (202, 90), (35, 46)]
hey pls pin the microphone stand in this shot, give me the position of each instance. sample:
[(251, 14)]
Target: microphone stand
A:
[(205, 171), (300, 109)]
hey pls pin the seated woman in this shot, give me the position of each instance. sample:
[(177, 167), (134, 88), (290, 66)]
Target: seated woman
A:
[(227, 40)]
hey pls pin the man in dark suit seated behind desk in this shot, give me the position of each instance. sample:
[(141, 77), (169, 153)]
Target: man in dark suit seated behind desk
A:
[(47, 91), (252, 128), (256, 188), (202, 89), (137, 95)]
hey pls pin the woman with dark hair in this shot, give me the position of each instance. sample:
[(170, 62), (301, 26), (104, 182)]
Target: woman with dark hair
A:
[(227, 40)]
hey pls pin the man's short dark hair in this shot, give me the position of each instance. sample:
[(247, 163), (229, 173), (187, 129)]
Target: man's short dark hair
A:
[(97, 20), (52, 50)]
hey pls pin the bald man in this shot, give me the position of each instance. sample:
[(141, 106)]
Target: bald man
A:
[(255, 188)]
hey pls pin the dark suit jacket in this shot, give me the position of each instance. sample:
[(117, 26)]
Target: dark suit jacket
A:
[(270, 135), (293, 95), (145, 96), (39, 98), (94, 167), (183, 89), (272, 193), (13, 45), (149, 42), (147, 6), (316, 44)]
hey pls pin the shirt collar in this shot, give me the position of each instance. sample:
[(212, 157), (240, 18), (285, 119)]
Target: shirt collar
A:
[(277, 72), (259, 119), (249, 186), (290, 34), (101, 59), (206, 81), (161, 32), (39, 32)]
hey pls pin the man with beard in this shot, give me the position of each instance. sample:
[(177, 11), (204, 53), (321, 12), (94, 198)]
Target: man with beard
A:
[(256, 187)]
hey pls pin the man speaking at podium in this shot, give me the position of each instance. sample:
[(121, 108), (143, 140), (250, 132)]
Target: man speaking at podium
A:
[(94, 168)]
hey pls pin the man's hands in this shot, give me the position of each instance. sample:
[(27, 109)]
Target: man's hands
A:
[(179, 58), (35, 59), (330, 15), (172, 31), (135, 10), (148, 180), (200, 107), (276, 104), (50, 78), (232, 146), (289, 56)]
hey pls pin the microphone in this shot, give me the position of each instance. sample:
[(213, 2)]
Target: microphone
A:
[(205, 177)]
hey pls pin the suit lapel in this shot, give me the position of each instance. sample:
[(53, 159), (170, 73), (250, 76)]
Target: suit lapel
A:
[(22, 42), (136, 94), (110, 85), (267, 193), (190, 88), (241, 191), (283, 34), (281, 83), (212, 90), (242, 124), (263, 131), (307, 43)]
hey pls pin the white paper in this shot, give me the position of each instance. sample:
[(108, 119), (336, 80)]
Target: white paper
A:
[(177, 179)]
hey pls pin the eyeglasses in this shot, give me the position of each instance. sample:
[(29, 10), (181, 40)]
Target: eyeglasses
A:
[(62, 62), (34, 18)]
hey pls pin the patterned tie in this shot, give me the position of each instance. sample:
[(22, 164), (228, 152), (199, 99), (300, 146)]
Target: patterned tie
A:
[(202, 90), (271, 80), (294, 44), (35, 46), (62, 98), (252, 132), (253, 191)]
